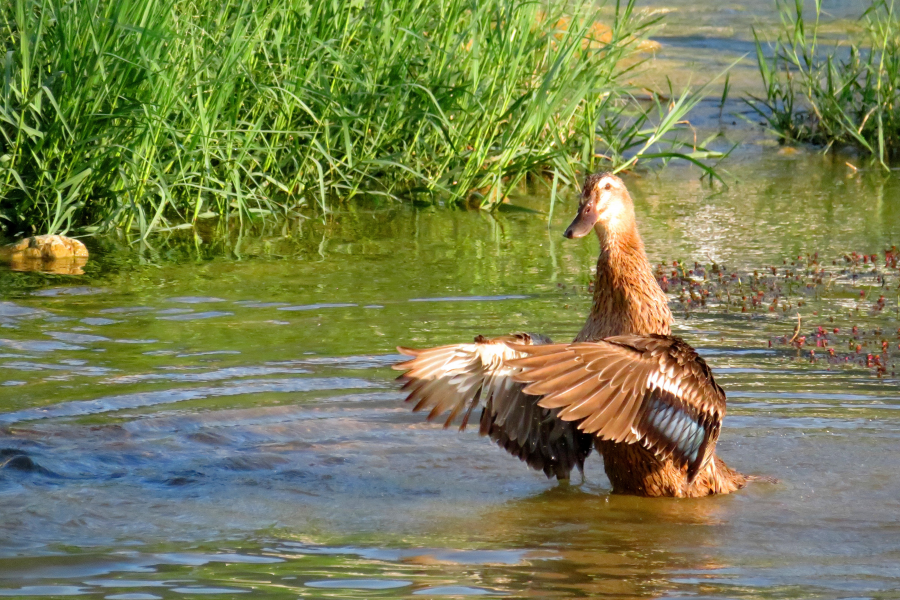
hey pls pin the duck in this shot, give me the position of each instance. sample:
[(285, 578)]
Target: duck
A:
[(625, 386)]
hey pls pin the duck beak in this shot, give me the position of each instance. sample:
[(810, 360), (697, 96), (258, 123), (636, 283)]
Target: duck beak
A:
[(583, 223)]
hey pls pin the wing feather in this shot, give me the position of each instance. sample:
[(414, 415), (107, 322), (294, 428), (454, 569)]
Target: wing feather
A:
[(558, 382), (553, 370), (653, 390), (563, 397), (452, 380)]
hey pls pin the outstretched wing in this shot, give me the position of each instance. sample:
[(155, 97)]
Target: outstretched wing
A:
[(653, 390), (454, 379)]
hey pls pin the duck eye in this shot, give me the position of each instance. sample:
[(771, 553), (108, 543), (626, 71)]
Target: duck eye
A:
[(587, 208), (608, 186)]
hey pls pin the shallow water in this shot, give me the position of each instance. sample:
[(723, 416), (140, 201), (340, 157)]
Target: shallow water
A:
[(220, 418), (701, 39), (219, 422)]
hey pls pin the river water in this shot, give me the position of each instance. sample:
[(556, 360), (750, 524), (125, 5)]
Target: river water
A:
[(219, 417)]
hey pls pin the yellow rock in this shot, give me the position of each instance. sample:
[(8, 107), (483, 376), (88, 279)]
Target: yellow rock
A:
[(49, 253), (598, 34), (47, 247)]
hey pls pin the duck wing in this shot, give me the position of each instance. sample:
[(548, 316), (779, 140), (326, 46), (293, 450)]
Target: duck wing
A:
[(653, 390), (452, 380)]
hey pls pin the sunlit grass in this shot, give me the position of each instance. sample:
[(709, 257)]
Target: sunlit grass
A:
[(846, 93), (148, 115)]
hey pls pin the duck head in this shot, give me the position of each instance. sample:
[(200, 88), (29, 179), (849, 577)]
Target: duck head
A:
[(605, 206)]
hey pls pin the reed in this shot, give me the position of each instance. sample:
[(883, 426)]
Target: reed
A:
[(844, 93), (143, 115)]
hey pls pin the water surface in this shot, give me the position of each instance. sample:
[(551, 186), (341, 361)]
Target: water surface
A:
[(223, 420), (217, 416)]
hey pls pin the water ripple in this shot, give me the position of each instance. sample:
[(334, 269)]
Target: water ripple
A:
[(217, 375), (76, 338), (10, 309), (197, 316), (142, 399), (318, 306), (359, 584), (195, 299), (38, 345), (471, 298)]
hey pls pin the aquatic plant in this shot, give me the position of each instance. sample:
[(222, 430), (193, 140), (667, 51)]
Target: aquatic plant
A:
[(842, 312), (845, 93), (148, 115)]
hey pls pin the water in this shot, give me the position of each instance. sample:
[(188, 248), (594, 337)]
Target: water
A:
[(700, 39), (224, 425), (219, 419)]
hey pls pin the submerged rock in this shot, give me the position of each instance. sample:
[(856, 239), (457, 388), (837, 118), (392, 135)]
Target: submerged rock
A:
[(48, 253), (598, 35), (16, 460)]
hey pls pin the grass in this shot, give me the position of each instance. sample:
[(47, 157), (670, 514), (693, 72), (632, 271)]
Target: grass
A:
[(846, 93), (143, 115)]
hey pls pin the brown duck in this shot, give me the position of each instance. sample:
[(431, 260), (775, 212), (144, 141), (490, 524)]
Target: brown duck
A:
[(642, 397)]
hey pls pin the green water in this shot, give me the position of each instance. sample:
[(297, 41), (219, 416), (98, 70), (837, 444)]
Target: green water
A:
[(212, 423), (220, 418)]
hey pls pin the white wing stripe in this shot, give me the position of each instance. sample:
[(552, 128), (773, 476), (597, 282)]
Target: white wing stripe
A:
[(658, 379)]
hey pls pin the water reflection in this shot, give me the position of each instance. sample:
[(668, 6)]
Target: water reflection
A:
[(147, 450)]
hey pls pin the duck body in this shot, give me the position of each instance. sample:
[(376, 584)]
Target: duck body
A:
[(625, 386)]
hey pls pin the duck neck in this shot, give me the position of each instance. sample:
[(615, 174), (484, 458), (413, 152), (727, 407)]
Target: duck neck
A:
[(627, 298)]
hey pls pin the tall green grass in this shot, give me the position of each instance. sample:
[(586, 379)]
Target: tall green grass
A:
[(149, 114), (842, 93)]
